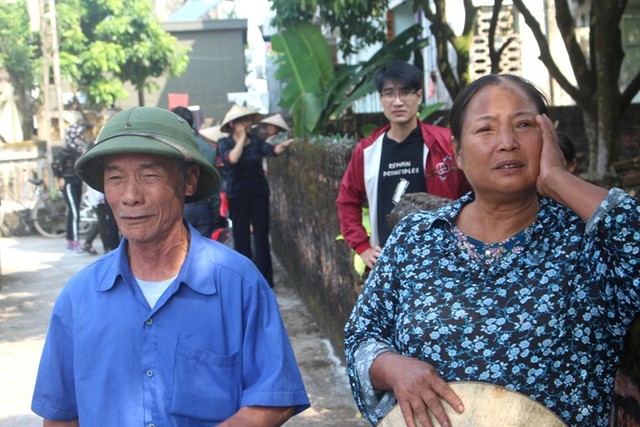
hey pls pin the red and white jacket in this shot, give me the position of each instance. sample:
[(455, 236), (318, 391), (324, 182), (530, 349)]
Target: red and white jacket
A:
[(360, 181)]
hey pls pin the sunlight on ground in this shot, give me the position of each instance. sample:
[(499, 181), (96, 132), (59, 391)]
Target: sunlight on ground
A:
[(19, 361), (15, 262), (9, 311)]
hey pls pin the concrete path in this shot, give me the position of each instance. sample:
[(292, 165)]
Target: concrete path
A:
[(35, 268)]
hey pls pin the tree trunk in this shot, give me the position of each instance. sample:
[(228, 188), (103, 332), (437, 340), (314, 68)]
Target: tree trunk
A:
[(454, 79), (590, 119), (609, 56)]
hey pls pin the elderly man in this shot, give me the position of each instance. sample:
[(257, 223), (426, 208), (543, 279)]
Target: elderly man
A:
[(170, 329)]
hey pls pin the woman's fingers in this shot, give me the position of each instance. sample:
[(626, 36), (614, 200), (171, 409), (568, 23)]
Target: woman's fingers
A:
[(420, 408), (428, 395), (411, 413), (417, 386), (551, 154)]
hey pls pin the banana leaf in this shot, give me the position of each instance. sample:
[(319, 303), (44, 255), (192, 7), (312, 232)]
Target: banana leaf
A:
[(312, 91), (355, 82), (306, 68)]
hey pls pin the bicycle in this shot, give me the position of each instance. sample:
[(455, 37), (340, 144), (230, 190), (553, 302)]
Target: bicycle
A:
[(46, 213)]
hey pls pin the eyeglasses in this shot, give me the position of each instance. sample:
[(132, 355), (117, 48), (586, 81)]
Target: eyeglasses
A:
[(402, 93)]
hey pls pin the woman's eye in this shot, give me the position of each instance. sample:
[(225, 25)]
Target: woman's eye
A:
[(525, 124)]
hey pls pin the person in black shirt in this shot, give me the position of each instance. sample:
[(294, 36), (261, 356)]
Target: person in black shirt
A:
[(247, 187)]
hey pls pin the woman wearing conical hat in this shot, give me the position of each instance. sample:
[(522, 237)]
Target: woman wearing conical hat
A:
[(275, 126), (246, 185), (276, 132)]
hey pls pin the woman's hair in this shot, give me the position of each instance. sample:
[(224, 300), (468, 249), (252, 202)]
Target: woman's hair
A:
[(458, 111), (401, 74), (566, 146)]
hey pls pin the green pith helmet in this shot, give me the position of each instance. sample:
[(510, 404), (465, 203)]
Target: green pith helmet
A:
[(147, 130)]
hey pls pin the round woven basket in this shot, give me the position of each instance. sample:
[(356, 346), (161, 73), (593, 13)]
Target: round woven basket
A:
[(487, 405)]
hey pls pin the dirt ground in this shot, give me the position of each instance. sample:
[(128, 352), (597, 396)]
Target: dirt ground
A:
[(35, 268)]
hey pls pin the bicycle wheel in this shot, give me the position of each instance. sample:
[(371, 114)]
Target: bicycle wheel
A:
[(50, 216), (88, 217)]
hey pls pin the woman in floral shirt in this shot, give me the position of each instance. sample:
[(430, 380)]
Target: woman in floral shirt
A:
[(528, 282)]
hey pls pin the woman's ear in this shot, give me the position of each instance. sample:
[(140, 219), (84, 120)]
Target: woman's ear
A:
[(456, 151)]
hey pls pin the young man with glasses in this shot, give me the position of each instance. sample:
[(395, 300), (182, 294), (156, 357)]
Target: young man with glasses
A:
[(404, 156)]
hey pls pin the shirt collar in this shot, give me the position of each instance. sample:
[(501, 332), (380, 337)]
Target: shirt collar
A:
[(196, 271), (449, 212)]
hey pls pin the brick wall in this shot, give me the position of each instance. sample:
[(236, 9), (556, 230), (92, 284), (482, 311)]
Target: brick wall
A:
[(304, 225)]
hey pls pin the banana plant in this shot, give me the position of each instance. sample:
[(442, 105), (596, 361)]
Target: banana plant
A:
[(353, 82), (315, 92), (305, 64)]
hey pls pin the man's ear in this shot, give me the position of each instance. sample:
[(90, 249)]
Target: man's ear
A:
[(193, 173)]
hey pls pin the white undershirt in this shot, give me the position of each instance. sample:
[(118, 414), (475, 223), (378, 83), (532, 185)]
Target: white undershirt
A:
[(152, 291)]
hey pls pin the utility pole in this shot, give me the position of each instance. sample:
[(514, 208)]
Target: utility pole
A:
[(42, 19), (57, 79), (44, 128), (48, 27)]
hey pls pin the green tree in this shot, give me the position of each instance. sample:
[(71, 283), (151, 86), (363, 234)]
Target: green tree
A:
[(19, 57), (104, 43), (315, 91), (596, 65), (361, 23), (454, 78)]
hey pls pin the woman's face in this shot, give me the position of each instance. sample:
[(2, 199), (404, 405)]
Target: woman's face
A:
[(243, 122), (500, 144), (271, 129)]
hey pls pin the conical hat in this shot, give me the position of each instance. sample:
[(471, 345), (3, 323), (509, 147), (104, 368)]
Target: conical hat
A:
[(487, 405), (213, 133), (277, 121), (235, 113)]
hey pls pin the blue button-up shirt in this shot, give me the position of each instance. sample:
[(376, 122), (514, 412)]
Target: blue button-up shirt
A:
[(214, 342)]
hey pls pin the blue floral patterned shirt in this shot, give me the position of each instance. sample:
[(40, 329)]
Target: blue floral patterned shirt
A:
[(547, 318)]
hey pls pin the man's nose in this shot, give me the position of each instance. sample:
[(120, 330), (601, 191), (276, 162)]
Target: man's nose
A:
[(132, 192)]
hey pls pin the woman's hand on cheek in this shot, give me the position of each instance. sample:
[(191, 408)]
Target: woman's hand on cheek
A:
[(551, 159)]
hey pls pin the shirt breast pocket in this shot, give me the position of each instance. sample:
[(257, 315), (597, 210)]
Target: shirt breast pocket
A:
[(206, 386)]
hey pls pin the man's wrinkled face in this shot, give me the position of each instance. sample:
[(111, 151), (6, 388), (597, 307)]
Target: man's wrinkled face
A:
[(147, 193)]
